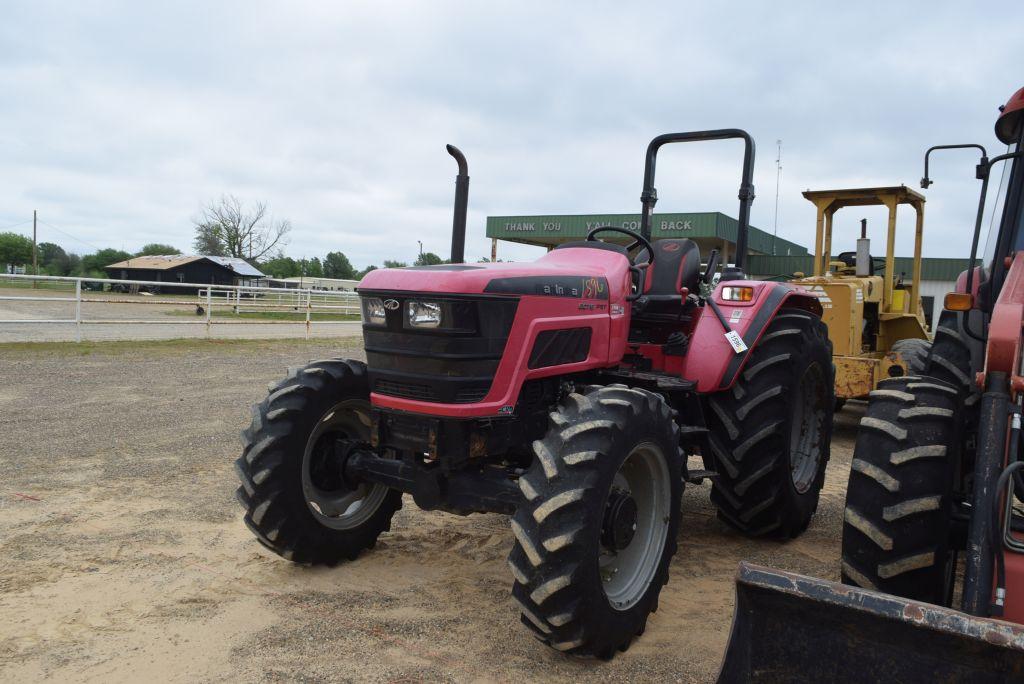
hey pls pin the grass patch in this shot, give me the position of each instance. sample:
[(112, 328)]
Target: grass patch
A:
[(297, 316), (182, 346), (17, 283)]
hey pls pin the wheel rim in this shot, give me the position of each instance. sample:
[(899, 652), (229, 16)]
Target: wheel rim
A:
[(626, 573), (806, 430), (334, 502)]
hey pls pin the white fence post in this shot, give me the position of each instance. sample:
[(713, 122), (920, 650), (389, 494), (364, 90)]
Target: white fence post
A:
[(209, 308), (78, 310), (309, 304)]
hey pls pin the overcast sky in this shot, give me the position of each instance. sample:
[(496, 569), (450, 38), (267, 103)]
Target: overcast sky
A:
[(119, 120)]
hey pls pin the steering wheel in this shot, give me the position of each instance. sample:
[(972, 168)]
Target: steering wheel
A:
[(639, 271), (638, 241)]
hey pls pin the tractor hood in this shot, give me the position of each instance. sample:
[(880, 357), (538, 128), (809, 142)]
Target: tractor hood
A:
[(572, 272)]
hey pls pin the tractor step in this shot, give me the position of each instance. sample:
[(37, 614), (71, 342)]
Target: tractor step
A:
[(698, 476), (650, 380)]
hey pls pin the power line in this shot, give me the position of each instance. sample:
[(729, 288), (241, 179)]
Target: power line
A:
[(64, 232), (17, 224)]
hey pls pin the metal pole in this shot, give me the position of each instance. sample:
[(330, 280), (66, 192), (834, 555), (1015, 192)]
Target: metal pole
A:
[(78, 310), (494, 250), (35, 251), (778, 174), (209, 307)]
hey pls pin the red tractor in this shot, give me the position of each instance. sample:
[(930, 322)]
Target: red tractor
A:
[(936, 477), (567, 393)]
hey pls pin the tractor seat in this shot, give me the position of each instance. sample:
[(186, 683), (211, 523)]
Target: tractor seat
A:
[(850, 259), (677, 264)]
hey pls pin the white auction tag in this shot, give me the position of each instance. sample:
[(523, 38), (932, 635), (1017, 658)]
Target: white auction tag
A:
[(736, 341)]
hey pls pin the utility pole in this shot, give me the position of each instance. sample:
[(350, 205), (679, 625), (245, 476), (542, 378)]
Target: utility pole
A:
[(778, 174), (35, 251)]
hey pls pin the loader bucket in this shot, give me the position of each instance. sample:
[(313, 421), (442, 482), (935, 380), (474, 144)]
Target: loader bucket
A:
[(792, 628)]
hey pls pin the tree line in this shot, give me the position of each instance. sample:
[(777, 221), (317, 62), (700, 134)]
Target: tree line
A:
[(225, 227), (16, 250)]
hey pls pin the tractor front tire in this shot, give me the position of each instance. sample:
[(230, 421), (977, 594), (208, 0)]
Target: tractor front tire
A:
[(897, 523), (295, 497), (597, 529), (770, 433)]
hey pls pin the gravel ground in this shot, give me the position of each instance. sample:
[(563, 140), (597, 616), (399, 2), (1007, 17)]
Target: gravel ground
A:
[(169, 323), (126, 558)]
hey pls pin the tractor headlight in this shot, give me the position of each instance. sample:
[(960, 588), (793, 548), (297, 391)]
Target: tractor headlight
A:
[(421, 314), (373, 311)]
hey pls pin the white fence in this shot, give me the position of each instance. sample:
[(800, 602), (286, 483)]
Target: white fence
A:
[(263, 305)]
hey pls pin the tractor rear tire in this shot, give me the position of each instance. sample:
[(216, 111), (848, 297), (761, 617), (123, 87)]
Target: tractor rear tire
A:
[(915, 354), (296, 500), (950, 357), (769, 434), (897, 523), (584, 581)]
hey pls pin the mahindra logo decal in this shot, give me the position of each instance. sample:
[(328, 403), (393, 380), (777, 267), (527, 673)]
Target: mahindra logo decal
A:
[(391, 304)]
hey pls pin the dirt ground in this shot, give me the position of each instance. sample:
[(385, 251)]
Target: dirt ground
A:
[(125, 557)]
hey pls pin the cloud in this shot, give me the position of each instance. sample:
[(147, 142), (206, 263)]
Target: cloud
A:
[(120, 119)]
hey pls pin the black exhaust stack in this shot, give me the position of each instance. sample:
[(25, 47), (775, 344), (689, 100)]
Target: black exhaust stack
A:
[(461, 206)]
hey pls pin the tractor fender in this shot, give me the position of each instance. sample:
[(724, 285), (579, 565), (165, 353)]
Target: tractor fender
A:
[(711, 360)]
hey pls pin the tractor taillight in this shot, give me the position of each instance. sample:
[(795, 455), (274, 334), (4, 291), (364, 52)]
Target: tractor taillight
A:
[(737, 294)]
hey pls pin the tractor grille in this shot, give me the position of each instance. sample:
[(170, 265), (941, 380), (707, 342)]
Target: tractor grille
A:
[(406, 390), (451, 364)]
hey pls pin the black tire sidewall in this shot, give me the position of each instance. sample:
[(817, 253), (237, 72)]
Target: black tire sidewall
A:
[(597, 608), (802, 505), (303, 400)]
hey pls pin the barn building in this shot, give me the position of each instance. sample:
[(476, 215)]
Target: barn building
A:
[(183, 268)]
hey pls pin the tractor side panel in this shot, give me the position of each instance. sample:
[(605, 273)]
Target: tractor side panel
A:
[(711, 361)]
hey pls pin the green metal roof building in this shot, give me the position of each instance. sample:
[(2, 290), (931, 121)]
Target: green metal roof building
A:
[(769, 256), (936, 269), (708, 229)]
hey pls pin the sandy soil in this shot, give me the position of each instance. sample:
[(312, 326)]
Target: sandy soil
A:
[(125, 557), (170, 321)]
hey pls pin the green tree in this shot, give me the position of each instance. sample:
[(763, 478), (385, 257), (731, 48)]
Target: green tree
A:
[(74, 264), (281, 267), (388, 263), (337, 265), (208, 240), (311, 268), (53, 260), (95, 263), (362, 274), (156, 249), (15, 249), (428, 259)]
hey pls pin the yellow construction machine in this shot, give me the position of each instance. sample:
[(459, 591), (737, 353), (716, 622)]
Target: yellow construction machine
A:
[(875, 319)]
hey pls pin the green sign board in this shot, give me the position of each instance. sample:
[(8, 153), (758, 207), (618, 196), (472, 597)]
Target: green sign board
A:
[(552, 230)]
